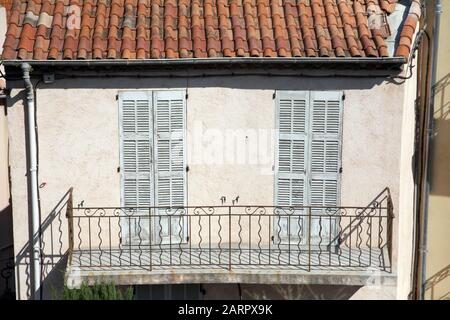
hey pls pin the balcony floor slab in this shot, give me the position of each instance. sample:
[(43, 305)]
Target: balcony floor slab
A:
[(156, 265)]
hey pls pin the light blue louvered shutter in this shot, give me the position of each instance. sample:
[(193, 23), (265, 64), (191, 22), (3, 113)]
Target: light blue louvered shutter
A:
[(136, 133), (325, 157), (170, 163), (290, 185)]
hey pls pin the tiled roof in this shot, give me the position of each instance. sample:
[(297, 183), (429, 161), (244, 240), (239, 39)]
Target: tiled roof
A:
[(151, 29)]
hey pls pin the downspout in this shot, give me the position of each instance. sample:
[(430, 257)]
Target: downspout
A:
[(429, 138), (33, 182)]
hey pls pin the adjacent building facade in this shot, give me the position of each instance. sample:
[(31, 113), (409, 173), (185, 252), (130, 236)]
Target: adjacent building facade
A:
[(432, 266)]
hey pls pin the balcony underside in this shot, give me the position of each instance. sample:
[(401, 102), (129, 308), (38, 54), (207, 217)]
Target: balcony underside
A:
[(355, 266)]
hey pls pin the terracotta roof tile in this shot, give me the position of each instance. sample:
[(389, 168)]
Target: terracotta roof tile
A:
[(171, 29), (265, 26), (238, 25), (142, 35), (388, 5), (306, 24), (226, 33), (408, 30), (293, 29)]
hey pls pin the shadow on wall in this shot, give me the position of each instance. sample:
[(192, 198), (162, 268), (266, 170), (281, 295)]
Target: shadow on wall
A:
[(7, 291), (278, 292), (6, 219), (442, 103), (175, 79), (434, 283), (299, 292), (6, 255), (53, 248), (440, 176)]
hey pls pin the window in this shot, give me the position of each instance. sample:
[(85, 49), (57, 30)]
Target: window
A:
[(152, 153), (308, 154)]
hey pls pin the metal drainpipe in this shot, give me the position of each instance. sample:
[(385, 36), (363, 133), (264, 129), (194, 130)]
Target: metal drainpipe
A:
[(430, 124), (33, 183)]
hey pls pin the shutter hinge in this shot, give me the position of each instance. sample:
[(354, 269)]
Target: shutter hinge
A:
[(274, 95), (117, 97), (343, 97), (340, 170), (272, 238), (187, 238), (187, 95), (118, 169), (187, 168)]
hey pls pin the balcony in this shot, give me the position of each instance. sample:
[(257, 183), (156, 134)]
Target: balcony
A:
[(217, 244)]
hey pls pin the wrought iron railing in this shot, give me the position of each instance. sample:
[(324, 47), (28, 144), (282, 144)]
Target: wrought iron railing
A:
[(233, 237)]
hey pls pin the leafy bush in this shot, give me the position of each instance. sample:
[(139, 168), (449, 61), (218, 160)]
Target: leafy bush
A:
[(98, 291)]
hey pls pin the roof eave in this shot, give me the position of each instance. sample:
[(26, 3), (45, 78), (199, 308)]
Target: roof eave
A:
[(389, 63)]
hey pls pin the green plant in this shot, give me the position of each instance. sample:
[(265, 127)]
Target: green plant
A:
[(98, 291)]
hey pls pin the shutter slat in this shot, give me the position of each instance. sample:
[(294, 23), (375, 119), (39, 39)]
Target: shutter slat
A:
[(317, 192), (319, 116), (332, 157), (317, 155), (290, 192)]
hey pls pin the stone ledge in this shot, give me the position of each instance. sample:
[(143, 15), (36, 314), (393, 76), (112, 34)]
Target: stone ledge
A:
[(144, 277)]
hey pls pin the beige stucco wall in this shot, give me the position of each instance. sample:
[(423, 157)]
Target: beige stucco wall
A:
[(79, 141), (438, 236)]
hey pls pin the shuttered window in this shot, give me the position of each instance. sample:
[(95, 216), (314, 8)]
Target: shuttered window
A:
[(152, 153), (309, 148), (152, 148), (152, 145)]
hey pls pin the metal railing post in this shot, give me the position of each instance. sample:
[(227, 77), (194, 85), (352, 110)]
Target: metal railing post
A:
[(150, 234), (69, 216), (390, 218), (229, 237), (309, 238)]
